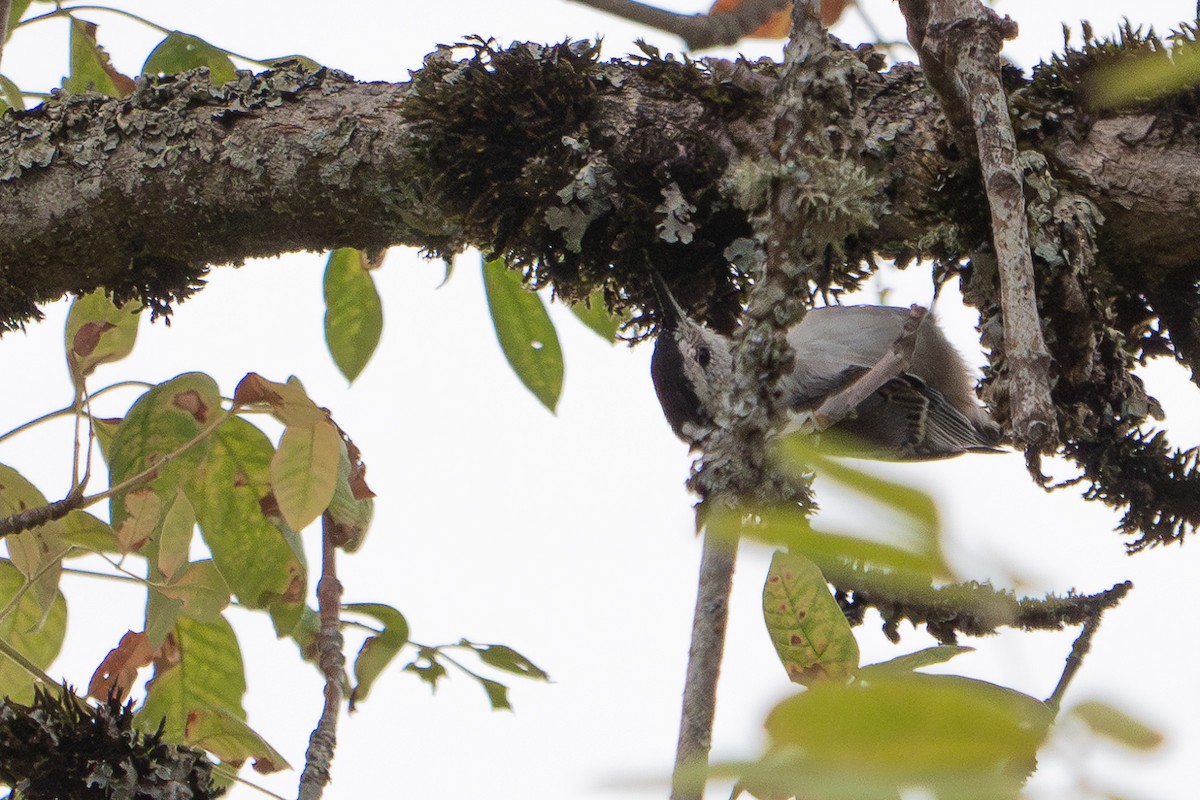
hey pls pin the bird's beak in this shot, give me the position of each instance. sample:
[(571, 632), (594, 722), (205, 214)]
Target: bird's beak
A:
[(671, 315)]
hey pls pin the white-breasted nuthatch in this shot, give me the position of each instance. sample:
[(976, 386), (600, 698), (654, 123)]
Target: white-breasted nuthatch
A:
[(925, 408)]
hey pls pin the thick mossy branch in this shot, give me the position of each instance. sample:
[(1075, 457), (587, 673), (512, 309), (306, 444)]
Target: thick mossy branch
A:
[(64, 748), (581, 173)]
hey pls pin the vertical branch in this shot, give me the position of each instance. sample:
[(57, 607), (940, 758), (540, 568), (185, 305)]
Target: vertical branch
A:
[(321, 744), (958, 42), (733, 469), (704, 666)]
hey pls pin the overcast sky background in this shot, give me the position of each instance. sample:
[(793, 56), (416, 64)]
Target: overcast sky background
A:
[(569, 537)]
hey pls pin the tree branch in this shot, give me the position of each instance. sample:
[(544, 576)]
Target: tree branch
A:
[(733, 466), (958, 42), (711, 618), (319, 758)]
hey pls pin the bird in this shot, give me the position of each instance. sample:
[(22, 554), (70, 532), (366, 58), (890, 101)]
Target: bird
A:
[(924, 409)]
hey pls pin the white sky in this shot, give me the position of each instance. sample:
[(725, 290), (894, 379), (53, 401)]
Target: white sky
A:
[(569, 537)]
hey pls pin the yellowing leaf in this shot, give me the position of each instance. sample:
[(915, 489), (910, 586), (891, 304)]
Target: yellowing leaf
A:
[(201, 591), (36, 635), (805, 623), (159, 424), (525, 332), (353, 311), (290, 403), (176, 538), (98, 332), (144, 510), (230, 739), (262, 563), (207, 674), (37, 553), (304, 471)]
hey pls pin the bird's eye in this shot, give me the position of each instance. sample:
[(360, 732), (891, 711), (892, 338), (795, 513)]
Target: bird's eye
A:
[(703, 356)]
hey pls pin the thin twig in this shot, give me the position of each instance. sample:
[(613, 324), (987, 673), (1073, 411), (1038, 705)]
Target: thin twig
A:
[(1083, 643), (33, 517), (958, 42), (24, 426), (698, 31), (321, 744)]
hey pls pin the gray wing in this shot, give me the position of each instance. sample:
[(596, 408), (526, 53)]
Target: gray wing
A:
[(909, 420), (929, 412), (835, 343)]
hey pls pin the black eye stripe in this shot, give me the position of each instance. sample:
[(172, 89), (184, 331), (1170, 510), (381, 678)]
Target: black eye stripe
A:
[(703, 356)]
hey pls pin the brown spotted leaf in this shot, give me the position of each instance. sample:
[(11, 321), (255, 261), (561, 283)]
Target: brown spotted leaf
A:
[(809, 631)]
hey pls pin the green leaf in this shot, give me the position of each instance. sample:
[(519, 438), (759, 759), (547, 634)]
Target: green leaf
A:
[(37, 553), (595, 314), (162, 613), (262, 563), (805, 623), (505, 658), (98, 332), (526, 333), (353, 311), (304, 471), (920, 533), (1115, 724), (90, 68), (88, 533), (377, 651), (15, 11), (26, 629), (959, 738), (10, 95), (180, 52), (207, 676), (787, 526), (161, 421), (902, 665), (427, 667), (497, 694), (1142, 77), (230, 739)]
